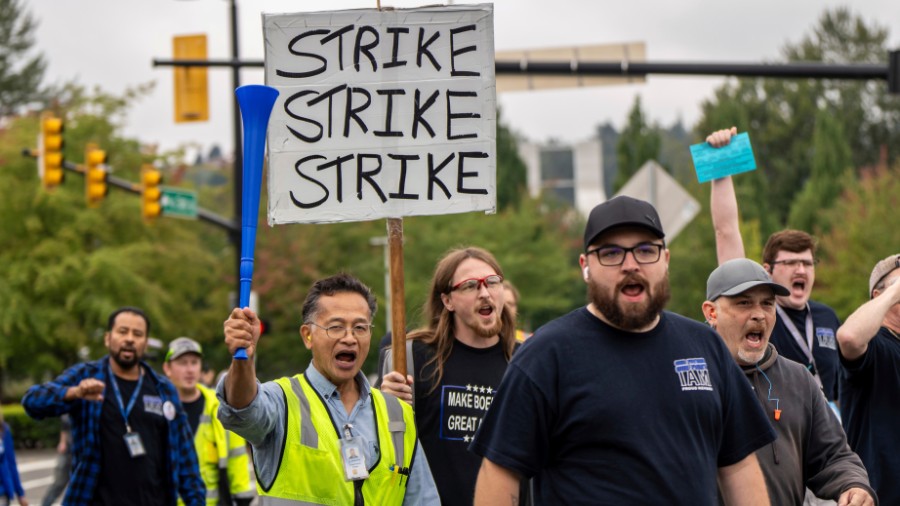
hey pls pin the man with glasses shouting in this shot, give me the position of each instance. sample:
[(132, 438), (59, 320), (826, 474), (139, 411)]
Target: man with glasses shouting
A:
[(620, 402), (458, 362), (324, 436), (804, 330)]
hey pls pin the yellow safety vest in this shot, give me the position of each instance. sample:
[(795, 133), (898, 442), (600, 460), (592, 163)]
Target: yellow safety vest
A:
[(218, 449), (311, 471)]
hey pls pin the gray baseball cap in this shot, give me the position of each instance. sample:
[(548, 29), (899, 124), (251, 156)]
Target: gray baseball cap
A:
[(737, 276), (181, 346)]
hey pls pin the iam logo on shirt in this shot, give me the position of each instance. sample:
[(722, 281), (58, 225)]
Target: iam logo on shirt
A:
[(693, 374)]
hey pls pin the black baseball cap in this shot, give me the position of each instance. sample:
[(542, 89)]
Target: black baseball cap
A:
[(621, 211)]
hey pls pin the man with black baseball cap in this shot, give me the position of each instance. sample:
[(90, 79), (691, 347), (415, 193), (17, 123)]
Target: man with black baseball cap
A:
[(811, 450), (621, 402), (869, 343)]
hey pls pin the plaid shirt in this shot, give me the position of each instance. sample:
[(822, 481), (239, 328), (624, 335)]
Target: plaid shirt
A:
[(47, 400)]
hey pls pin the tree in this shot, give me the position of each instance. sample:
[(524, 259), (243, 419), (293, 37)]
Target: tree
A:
[(511, 172), (20, 73), (64, 268), (780, 114), (638, 143)]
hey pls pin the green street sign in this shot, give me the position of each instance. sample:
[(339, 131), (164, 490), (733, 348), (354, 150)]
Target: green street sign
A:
[(179, 203)]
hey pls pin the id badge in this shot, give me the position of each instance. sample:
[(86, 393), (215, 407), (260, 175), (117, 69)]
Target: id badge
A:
[(135, 445), (354, 459)]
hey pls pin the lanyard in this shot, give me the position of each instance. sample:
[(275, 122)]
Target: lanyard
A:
[(805, 345), (126, 410)]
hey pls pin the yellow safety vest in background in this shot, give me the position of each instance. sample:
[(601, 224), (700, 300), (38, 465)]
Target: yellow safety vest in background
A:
[(311, 471), (217, 449)]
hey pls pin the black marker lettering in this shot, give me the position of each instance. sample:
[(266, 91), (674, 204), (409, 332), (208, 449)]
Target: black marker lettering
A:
[(395, 47), (328, 94), (339, 35), (463, 174), (389, 113), (339, 180), (432, 175), (419, 112), (401, 191), (462, 115), (314, 72), (287, 109), (317, 203), (423, 49), (365, 48), (463, 50), (352, 113), (367, 175)]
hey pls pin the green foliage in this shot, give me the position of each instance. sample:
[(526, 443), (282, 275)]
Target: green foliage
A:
[(783, 117), (864, 232), (638, 143), (831, 159), (64, 267), (28, 432), (20, 72), (511, 171)]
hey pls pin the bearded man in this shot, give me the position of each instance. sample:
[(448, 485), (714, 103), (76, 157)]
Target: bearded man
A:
[(621, 402)]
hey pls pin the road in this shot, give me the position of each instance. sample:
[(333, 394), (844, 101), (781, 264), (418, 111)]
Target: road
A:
[(36, 472)]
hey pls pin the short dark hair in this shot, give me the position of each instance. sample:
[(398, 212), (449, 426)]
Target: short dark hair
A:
[(795, 241), (127, 309), (332, 285)]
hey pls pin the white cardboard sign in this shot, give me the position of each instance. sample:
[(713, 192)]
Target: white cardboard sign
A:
[(381, 114)]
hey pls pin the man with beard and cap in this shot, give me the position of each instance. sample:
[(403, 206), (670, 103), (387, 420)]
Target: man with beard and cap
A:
[(131, 441), (870, 386), (811, 450), (458, 361), (621, 402), (324, 436), (804, 329)]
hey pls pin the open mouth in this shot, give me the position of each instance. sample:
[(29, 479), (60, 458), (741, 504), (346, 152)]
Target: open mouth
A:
[(754, 339), (486, 310), (346, 358), (633, 291), (798, 286)]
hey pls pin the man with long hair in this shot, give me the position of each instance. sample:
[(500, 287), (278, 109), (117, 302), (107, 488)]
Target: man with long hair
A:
[(459, 359)]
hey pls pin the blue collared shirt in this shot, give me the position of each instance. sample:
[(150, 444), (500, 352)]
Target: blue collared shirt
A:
[(262, 423)]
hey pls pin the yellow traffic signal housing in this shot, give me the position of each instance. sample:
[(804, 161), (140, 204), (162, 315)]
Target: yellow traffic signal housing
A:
[(151, 193), (191, 84), (95, 187), (50, 157)]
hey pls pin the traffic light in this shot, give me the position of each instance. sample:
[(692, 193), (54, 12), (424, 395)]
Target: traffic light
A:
[(151, 178), (95, 187), (50, 157)]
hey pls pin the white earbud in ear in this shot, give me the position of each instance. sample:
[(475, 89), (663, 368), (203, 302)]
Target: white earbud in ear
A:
[(586, 272)]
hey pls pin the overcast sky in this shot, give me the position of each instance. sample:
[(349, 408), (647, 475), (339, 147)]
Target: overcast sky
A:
[(111, 43)]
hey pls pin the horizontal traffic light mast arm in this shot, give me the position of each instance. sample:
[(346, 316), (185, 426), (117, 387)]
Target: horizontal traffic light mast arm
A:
[(132, 187), (625, 68)]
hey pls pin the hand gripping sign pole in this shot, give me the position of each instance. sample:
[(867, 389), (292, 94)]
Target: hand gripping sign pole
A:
[(256, 103)]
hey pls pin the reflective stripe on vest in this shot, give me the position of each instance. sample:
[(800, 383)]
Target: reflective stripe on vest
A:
[(314, 474)]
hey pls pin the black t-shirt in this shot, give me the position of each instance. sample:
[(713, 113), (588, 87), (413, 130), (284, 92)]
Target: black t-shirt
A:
[(126, 480), (825, 325), (602, 416), (193, 410), (870, 409), (448, 417)]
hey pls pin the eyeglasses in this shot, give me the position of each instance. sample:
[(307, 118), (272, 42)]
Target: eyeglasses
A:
[(610, 256), (359, 330), (797, 262), (492, 282)]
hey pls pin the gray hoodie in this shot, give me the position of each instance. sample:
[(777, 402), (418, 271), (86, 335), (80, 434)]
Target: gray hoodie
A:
[(811, 449)]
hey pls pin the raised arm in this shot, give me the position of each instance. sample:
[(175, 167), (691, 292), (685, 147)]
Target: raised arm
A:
[(854, 335), (742, 483), (724, 208), (241, 331)]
